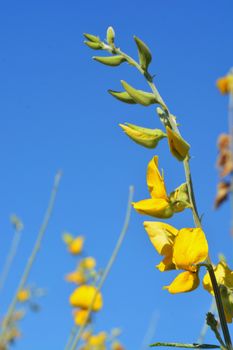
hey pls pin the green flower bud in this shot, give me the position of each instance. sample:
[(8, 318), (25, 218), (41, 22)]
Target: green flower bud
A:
[(93, 45), (93, 38), (110, 35), (180, 198), (139, 96), (122, 96), (143, 53), (148, 138), (178, 146), (16, 222), (112, 61)]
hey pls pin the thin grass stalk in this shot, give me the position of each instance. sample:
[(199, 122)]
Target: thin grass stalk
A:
[(33, 255), (10, 258)]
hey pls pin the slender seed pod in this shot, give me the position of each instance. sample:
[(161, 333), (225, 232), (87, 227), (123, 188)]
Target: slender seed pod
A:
[(122, 96), (112, 61), (139, 96), (143, 53)]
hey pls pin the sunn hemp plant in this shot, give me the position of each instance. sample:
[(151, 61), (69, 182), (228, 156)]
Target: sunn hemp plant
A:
[(184, 249)]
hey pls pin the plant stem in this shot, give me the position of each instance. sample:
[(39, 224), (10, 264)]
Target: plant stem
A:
[(33, 255), (112, 259), (10, 258), (172, 122)]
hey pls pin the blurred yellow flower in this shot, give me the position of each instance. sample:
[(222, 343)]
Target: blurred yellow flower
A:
[(23, 295), (182, 250), (88, 263), (80, 317), (159, 204), (225, 84), (83, 297), (77, 277), (98, 340), (224, 277), (75, 247)]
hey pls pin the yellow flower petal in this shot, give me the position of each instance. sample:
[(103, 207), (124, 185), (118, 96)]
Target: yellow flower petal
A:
[(88, 263), (190, 248), (76, 245), (83, 297), (225, 84), (184, 282), (159, 208), (80, 317), (98, 339), (155, 181), (161, 236), (223, 274), (166, 264), (23, 295), (76, 277)]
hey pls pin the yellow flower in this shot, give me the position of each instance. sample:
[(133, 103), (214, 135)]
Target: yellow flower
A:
[(77, 277), (159, 204), (162, 237), (88, 263), (224, 277), (225, 84), (98, 341), (23, 295), (75, 247), (83, 297), (80, 317), (182, 250)]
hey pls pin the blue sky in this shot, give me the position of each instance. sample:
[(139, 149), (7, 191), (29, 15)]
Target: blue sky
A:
[(56, 114)]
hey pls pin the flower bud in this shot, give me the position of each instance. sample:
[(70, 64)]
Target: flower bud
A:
[(143, 53), (112, 61), (110, 35), (122, 96), (93, 38), (180, 198), (145, 137), (139, 96), (94, 45), (178, 146)]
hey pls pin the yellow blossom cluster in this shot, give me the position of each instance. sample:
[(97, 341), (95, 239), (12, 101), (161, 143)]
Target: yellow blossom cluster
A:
[(85, 296)]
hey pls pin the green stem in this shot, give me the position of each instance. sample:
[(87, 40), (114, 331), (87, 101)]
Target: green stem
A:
[(33, 255), (173, 125), (187, 346), (219, 305), (112, 259)]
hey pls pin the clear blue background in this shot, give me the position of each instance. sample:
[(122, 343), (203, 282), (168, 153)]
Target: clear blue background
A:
[(56, 114)]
